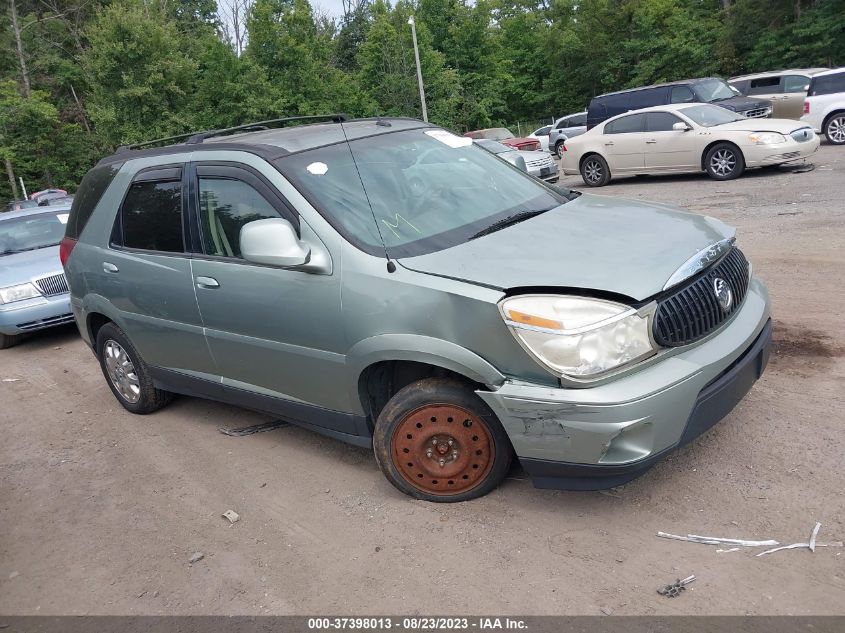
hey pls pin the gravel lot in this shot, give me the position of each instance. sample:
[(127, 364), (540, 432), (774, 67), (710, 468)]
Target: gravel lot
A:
[(100, 511)]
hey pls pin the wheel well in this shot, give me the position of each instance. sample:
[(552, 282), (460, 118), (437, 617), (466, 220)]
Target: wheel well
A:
[(712, 145), (829, 116), (379, 382), (587, 155), (95, 322)]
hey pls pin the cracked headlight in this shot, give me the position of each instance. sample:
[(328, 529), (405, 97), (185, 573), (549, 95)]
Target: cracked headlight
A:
[(20, 292), (766, 138), (579, 337)]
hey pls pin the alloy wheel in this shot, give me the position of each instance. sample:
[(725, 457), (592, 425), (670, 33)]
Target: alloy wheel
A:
[(122, 372), (593, 171), (723, 162), (836, 129)]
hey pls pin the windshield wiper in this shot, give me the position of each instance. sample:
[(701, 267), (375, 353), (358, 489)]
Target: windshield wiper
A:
[(510, 221)]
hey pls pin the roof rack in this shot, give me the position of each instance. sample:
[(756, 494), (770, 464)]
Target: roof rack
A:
[(195, 138)]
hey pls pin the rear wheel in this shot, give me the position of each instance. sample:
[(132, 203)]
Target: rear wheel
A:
[(834, 129), (594, 171), (559, 148), (436, 440), (127, 374), (724, 162), (9, 340)]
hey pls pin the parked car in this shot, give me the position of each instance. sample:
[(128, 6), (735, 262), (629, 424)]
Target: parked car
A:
[(18, 205), (33, 291), (567, 127), (824, 107), (387, 284), (707, 90), (542, 135), (785, 89), (685, 138), (504, 135), (47, 194), (504, 152), (541, 165)]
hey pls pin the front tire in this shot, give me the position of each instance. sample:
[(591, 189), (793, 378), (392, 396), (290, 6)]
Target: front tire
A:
[(126, 373), (724, 161), (834, 129), (594, 171), (436, 440), (9, 340)]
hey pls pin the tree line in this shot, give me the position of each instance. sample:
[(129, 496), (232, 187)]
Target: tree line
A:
[(80, 77)]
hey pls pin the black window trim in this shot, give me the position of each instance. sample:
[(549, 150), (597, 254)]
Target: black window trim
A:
[(116, 237), (231, 170)]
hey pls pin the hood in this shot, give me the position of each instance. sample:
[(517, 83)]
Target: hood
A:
[(518, 140), (741, 104), (593, 243), (22, 267), (782, 126)]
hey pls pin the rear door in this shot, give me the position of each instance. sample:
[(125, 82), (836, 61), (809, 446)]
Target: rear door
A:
[(146, 274), (770, 88), (623, 143), (667, 149)]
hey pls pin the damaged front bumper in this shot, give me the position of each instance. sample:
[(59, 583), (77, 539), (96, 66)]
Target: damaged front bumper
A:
[(603, 436)]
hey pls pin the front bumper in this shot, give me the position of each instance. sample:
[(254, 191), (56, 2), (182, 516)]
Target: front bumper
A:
[(599, 437), (791, 151), (35, 314)]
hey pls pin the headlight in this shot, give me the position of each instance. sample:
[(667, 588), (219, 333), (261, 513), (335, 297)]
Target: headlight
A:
[(766, 138), (578, 336), (18, 293)]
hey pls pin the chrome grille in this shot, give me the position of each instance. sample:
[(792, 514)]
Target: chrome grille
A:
[(540, 162), (692, 311), (45, 323), (804, 134), (757, 113), (52, 285)]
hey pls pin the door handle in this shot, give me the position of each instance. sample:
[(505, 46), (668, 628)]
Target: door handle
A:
[(608, 144), (108, 267), (207, 282), (651, 140)]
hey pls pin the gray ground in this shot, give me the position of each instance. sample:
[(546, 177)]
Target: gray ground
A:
[(100, 510)]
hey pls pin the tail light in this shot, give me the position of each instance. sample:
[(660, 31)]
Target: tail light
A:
[(65, 249), (806, 107)]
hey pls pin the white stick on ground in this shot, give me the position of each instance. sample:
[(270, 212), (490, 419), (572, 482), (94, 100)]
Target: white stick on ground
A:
[(813, 536), (802, 545), (714, 540)]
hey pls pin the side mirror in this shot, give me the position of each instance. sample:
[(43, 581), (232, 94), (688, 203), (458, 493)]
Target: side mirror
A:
[(680, 126), (273, 242), (806, 88)]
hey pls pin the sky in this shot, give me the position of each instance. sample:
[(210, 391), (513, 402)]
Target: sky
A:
[(333, 7)]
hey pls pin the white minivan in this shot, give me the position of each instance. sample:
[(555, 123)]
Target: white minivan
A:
[(824, 107)]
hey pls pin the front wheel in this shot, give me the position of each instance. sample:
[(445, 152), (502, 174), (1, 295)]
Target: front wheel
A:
[(436, 440), (724, 162), (594, 171), (834, 129)]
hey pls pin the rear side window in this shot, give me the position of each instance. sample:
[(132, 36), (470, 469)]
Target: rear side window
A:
[(827, 84), (647, 98), (577, 120), (764, 86), (151, 216), (795, 83), (681, 94), (91, 189), (626, 125)]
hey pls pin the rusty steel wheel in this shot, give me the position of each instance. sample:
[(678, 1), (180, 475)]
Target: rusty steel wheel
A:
[(437, 440)]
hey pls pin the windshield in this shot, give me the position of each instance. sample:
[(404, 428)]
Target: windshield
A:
[(428, 188), (711, 90), (710, 115), (30, 232)]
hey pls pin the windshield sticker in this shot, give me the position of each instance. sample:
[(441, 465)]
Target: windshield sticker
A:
[(447, 138), (62, 217), (318, 169), (399, 219)]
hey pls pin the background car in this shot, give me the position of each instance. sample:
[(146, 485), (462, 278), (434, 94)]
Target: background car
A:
[(786, 89), (542, 135), (504, 135), (33, 290), (824, 106), (18, 205), (566, 127), (541, 165), (705, 90), (504, 152), (685, 138), (47, 194)]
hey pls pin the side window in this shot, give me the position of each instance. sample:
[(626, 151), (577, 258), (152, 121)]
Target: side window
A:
[(742, 86), (578, 119), (681, 94), (647, 98), (827, 84), (226, 205), (795, 83), (151, 216), (661, 121), (764, 86), (91, 189), (626, 125)]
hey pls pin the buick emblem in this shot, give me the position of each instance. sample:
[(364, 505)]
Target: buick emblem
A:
[(723, 293)]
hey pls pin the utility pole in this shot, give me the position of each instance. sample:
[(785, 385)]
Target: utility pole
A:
[(419, 70)]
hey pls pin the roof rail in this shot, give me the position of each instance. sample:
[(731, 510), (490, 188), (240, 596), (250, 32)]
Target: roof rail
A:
[(199, 137), (194, 138)]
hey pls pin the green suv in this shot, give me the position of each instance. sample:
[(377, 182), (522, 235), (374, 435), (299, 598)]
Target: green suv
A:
[(388, 284)]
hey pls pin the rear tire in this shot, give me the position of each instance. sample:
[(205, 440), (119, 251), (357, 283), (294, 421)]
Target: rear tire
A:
[(436, 440), (126, 373), (594, 171), (834, 129), (559, 148), (724, 161), (9, 340)]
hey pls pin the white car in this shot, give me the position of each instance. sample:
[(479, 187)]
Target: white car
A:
[(685, 138), (824, 106), (542, 135)]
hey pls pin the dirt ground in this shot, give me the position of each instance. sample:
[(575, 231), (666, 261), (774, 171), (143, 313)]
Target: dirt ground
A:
[(101, 510)]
